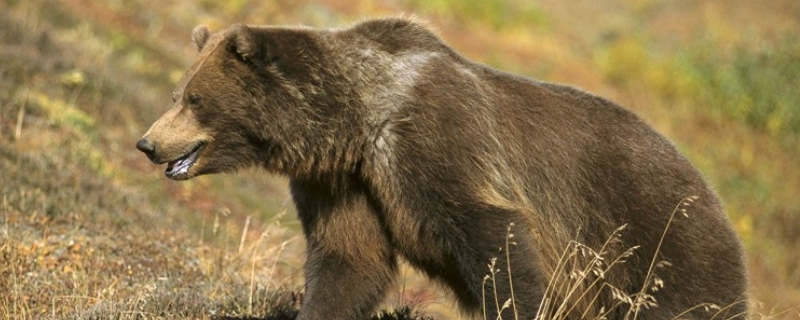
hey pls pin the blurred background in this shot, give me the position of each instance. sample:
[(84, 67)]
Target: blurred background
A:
[(90, 228)]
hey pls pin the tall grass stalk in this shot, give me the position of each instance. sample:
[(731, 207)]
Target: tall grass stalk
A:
[(244, 233), (641, 296), (509, 236), (275, 263), (253, 259), (18, 128)]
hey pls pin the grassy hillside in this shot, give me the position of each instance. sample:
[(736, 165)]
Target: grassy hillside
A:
[(89, 229)]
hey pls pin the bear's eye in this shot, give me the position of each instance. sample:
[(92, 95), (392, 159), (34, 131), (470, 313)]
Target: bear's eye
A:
[(193, 99)]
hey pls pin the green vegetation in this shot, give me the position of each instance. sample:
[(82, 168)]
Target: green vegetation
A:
[(752, 82), (754, 85), (90, 229), (498, 14)]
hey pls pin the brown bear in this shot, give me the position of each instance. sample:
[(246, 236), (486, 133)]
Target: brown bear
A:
[(397, 146)]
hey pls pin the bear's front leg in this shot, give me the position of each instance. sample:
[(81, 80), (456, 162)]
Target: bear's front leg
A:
[(350, 262)]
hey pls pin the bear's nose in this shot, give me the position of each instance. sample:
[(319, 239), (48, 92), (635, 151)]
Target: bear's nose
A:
[(146, 146)]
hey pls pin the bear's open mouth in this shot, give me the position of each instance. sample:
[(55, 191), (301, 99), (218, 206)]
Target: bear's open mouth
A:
[(180, 167)]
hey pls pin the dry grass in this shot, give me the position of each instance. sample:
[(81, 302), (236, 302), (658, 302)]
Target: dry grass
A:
[(581, 277)]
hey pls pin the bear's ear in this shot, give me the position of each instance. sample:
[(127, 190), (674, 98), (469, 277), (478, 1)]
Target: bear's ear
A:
[(250, 46), (200, 36), (243, 42)]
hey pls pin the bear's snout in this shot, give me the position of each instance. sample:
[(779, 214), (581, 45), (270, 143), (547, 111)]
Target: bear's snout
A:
[(148, 147)]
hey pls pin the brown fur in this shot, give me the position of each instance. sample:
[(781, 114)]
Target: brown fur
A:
[(395, 145)]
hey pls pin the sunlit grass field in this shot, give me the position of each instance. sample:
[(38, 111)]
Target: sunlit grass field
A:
[(90, 229)]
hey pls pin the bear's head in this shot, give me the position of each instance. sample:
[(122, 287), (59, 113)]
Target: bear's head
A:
[(252, 98), (296, 101)]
